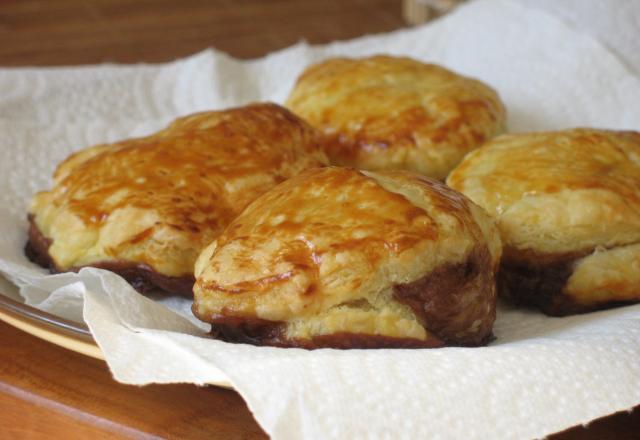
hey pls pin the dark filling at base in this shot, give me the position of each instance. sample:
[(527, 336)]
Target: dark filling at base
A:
[(256, 331), (440, 300), (452, 297), (541, 284), (142, 277)]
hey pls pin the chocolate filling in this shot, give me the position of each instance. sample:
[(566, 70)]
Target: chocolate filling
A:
[(142, 277), (447, 302), (538, 281), (453, 297)]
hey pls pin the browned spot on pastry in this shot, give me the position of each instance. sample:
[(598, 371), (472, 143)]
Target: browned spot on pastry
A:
[(262, 332), (380, 132), (538, 280), (452, 297), (142, 236), (142, 277), (258, 285)]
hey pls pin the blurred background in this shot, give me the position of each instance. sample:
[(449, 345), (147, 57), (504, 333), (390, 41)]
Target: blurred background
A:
[(63, 32)]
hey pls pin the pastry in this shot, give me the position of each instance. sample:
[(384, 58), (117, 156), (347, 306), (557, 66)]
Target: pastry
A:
[(340, 258), (567, 204), (388, 112), (146, 207)]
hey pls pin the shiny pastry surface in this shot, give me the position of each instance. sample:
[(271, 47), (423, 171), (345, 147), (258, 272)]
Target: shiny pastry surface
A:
[(335, 257), (157, 201), (386, 112), (568, 207)]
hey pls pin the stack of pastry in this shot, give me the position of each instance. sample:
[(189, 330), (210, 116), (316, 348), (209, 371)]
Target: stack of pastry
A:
[(329, 225)]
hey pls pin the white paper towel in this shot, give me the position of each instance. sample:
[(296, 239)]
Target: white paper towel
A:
[(540, 376), (615, 23)]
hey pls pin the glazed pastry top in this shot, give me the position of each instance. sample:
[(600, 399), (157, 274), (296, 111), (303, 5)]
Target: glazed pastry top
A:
[(160, 199), (324, 250), (558, 192), (388, 112)]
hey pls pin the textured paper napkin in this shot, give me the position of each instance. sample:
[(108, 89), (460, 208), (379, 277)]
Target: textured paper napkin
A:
[(541, 375), (615, 23)]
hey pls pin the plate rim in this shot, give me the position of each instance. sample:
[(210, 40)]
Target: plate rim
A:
[(62, 332), (71, 335), (40, 318)]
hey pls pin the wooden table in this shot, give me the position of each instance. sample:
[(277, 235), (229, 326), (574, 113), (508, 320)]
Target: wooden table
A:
[(49, 392)]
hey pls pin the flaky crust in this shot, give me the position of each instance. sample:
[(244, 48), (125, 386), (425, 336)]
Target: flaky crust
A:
[(388, 112), (567, 205), (340, 258), (156, 202)]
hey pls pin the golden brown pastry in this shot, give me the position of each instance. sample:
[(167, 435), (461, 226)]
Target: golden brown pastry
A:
[(567, 204), (388, 112), (146, 207), (340, 258)]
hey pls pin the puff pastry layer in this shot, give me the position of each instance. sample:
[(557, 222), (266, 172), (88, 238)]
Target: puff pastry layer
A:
[(388, 112), (567, 205), (146, 207), (339, 258)]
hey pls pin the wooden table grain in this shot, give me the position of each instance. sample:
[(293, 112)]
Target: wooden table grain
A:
[(37, 32), (47, 392), (50, 392)]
